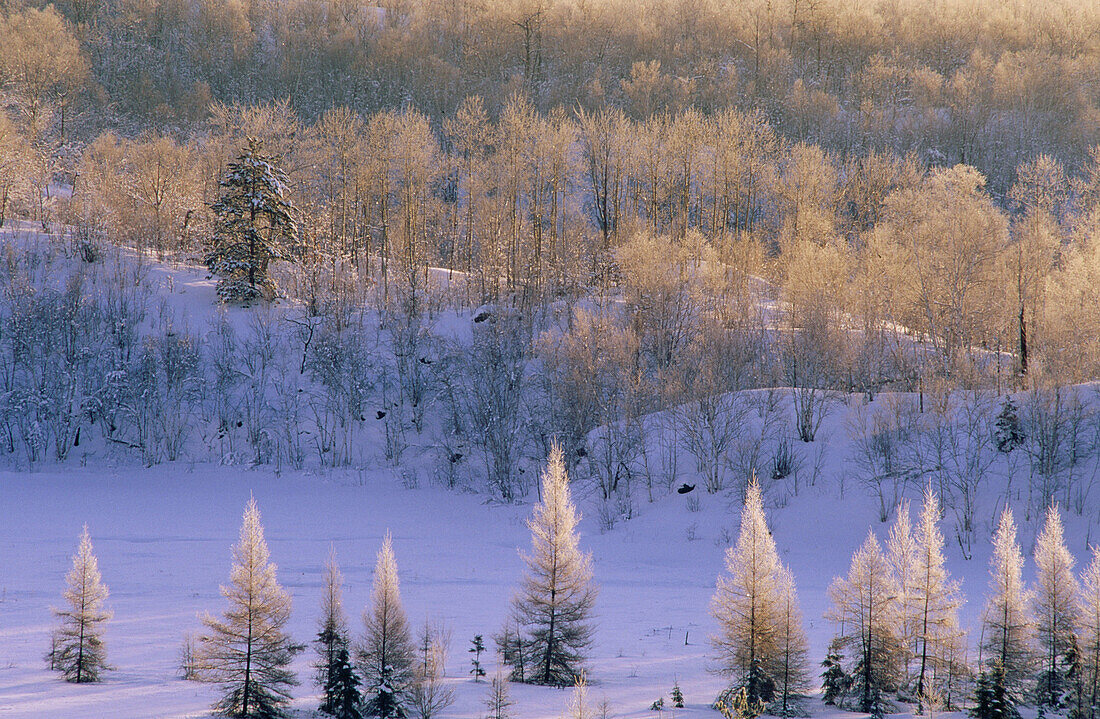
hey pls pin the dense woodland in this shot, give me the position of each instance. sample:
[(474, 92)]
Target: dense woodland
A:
[(647, 233)]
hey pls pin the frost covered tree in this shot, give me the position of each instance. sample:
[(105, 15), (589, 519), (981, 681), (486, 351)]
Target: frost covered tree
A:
[(748, 604), (78, 651), (1054, 610), (865, 605), (554, 603), (497, 702), (254, 224), (248, 651), (933, 598), (386, 653), (332, 639), (1006, 623), (791, 672), (1088, 635), (901, 549), (429, 696)]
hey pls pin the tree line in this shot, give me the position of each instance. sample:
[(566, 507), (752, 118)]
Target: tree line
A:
[(898, 637), (963, 81)]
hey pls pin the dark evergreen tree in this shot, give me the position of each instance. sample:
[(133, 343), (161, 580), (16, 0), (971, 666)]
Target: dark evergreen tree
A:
[(332, 639), (834, 680), (677, 696), (992, 696), (476, 648), (254, 225), (1009, 432), (342, 697)]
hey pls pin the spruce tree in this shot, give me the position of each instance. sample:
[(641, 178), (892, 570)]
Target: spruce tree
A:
[(385, 655), (77, 649), (554, 603), (1088, 628), (1006, 622), (1054, 609), (865, 606), (934, 598), (254, 224), (343, 699), (835, 682), (247, 651), (332, 639), (992, 698), (477, 646), (748, 605)]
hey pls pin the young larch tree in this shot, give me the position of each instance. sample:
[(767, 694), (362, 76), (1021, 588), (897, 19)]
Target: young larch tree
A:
[(386, 653), (497, 702), (865, 605), (78, 651), (791, 672), (1088, 635), (934, 597), (1054, 609), (247, 651), (901, 548), (332, 639), (1006, 624), (555, 599), (748, 604)]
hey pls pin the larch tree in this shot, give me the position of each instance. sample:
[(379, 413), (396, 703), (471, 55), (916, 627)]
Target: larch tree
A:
[(791, 672), (386, 653), (78, 651), (934, 598), (332, 639), (748, 604), (248, 650), (1006, 624), (865, 605), (254, 225), (497, 702), (1088, 635), (1055, 610), (901, 549), (554, 603)]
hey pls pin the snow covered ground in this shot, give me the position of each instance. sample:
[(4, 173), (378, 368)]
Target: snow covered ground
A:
[(163, 537)]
